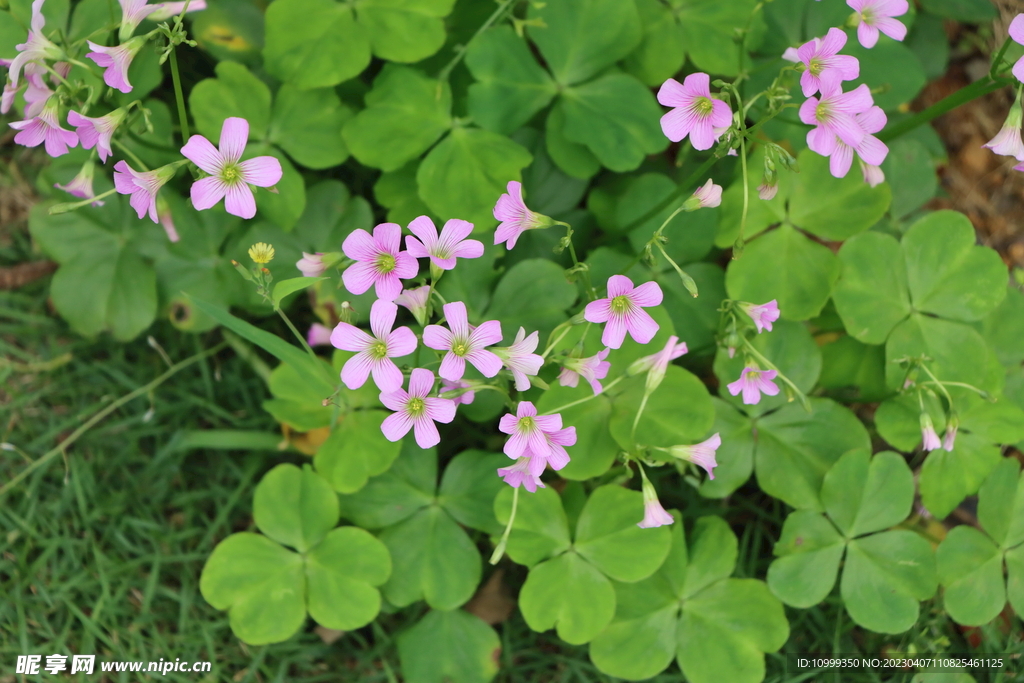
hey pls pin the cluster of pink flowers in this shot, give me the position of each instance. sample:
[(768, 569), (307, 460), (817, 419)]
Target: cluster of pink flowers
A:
[(754, 381)]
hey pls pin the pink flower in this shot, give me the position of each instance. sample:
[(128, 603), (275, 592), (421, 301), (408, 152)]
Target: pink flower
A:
[(374, 353), (442, 251), (791, 54), (1017, 34), (81, 184), (229, 179), (96, 132), (142, 186), (36, 48), (311, 265), (167, 10), (763, 315), (36, 94), (949, 439), (875, 16), (871, 150), (515, 217), (833, 115), (694, 111), (767, 191), (379, 263), (701, 454), (319, 335), (826, 68), (540, 438), (416, 301), (45, 128), (1007, 141), (520, 358), (753, 382), (519, 475), (707, 196), (465, 397), (413, 409), (591, 369), (623, 311), (654, 513), (928, 436), (873, 175), (132, 14), (656, 365), (464, 343), (115, 61)]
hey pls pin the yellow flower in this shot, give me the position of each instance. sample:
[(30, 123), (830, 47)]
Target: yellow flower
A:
[(261, 252)]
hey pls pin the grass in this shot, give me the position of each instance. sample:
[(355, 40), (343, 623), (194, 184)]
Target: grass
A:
[(101, 548)]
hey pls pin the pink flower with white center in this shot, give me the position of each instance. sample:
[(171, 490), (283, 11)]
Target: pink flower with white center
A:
[(949, 438), (873, 175), (520, 358), (623, 311), (767, 191), (1016, 32), (592, 369), (36, 47), (229, 178), (515, 217), (654, 514), (763, 315), (36, 94), (45, 128), (519, 475), (695, 112), (833, 115), (115, 61), (96, 132), (540, 438), (871, 150), (311, 265), (81, 185), (318, 335), (707, 196), (656, 365), (416, 301), (379, 261), (753, 382), (442, 251), (374, 353), (877, 15), (464, 343), (466, 397), (416, 410), (167, 10), (142, 186), (701, 454), (132, 14), (1007, 141), (825, 67), (930, 440)]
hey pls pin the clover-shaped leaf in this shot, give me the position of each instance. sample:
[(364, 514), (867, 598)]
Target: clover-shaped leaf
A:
[(355, 451), (971, 561), (678, 412), (449, 646), (568, 587), (434, 558), (268, 589), (719, 628), (886, 574)]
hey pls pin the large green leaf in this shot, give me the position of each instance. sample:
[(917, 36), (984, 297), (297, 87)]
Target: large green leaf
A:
[(910, 172), (314, 43), (865, 494), (234, 92), (948, 477), (689, 235), (1001, 504), (355, 451), (575, 159), (406, 112), (540, 530), (449, 646), (787, 266), (890, 87), (468, 488), (709, 32), (616, 117), (403, 30), (465, 174), (579, 38), (342, 574), (511, 87), (957, 351), (808, 555), (796, 448), (661, 51), (871, 295), (971, 572), (608, 536), (570, 595), (295, 507), (834, 208), (285, 206), (533, 294), (397, 494), (307, 125), (678, 412)]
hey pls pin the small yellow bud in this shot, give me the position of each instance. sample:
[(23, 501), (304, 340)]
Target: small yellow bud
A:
[(261, 252)]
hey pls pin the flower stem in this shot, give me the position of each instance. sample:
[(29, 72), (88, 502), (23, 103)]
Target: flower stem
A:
[(962, 96), (182, 115), (636, 420), (584, 399), (135, 159), (71, 206), (500, 549), (302, 340)]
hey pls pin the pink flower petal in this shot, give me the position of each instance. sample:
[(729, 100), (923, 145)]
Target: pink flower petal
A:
[(458, 320), (440, 409), (382, 318), (486, 334), (427, 435), (401, 342), (486, 362), (359, 246), (203, 154), (421, 383), (239, 201), (358, 277), (357, 369), (262, 171), (598, 311), (388, 237), (386, 375), (234, 135), (614, 332), (453, 367), (646, 295), (396, 425), (438, 338), (207, 192), (348, 337)]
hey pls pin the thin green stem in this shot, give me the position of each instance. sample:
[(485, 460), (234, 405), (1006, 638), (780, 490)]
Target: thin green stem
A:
[(935, 380), (447, 70), (946, 104), (998, 60), (584, 399), (636, 419), (179, 96), (746, 195), (963, 385), (591, 292), (688, 282), (71, 206), (298, 335), (91, 422), (499, 550), (561, 336)]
